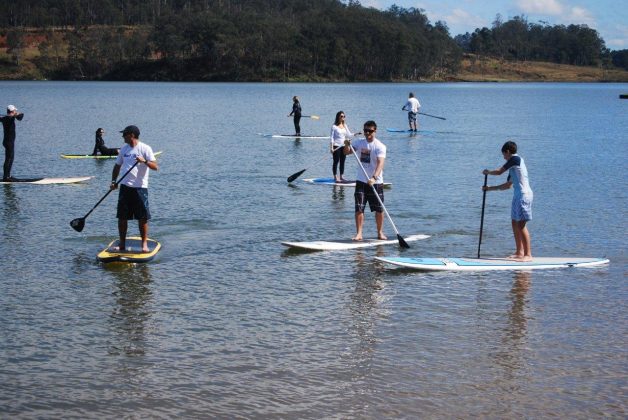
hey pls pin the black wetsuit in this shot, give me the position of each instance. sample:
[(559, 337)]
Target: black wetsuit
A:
[(100, 147), (296, 111), (8, 123)]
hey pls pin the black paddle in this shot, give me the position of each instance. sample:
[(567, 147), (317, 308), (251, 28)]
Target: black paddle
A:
[(298, 174), (433, 116), (79, 223), (482, 218), (402, 242)]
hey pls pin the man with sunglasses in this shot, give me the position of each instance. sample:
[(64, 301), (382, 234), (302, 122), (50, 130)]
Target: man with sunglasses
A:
[(371, 154)]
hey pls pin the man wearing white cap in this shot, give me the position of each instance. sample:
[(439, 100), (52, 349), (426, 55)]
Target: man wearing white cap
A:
[(8, 123)]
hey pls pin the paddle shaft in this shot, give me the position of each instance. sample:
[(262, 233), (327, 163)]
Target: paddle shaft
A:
[(482, 217), (298, 174), (433, 116), (108, 192), (401, 240)]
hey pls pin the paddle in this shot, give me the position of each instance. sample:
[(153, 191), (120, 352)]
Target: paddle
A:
[(482, 218), (402, 242), (298, 174), (314, 117), (433, 116), (79, 223)]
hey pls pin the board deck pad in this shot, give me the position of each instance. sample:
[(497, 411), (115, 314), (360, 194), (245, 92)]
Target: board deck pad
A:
[(48, 181), (344, 244), (332, 181), (70, 156), (490, 264), (132, 253)]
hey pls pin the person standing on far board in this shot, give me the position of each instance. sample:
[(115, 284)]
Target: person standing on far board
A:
[(521, 210), (133, 196), (8, 124), (412, 106), (296, 114)]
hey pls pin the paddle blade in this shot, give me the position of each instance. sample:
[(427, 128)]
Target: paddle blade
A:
[(295, 176), (402, 242), (78, 224), (315, 117)]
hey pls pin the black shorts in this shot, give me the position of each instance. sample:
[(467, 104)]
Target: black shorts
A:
[(133, 203), (364, 192)]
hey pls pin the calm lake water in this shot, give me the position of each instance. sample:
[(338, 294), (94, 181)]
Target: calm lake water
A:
[(227, 322)]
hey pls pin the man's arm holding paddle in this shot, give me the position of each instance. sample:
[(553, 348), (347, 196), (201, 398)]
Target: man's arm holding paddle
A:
[(140, 159), (506, 185)]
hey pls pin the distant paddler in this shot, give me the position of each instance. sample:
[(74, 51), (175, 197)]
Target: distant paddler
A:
[(99, 146), (296, 114), (412, 106)]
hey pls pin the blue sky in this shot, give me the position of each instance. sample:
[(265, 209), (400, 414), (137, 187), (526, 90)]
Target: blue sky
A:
[(608, 17)]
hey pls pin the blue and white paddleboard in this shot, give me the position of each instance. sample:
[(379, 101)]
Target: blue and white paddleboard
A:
[(344, 244), (292, 136), (489, 264), (332, 181), (400, 130)]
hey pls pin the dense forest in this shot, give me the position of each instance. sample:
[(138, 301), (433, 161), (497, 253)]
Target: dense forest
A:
[(271, 40)]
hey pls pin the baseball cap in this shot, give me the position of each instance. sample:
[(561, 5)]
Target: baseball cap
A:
[(11, 108), (132, 130)]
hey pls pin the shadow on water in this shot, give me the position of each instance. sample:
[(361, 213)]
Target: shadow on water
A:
[(11, 209)]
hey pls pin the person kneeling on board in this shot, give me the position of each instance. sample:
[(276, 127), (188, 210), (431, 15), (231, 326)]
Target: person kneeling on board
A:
[(521, 210), (133, 196), (371, 154), (100, 145)]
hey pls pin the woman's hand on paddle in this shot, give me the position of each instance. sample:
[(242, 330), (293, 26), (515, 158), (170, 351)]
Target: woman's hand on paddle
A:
[(113, 185), (485, 172)]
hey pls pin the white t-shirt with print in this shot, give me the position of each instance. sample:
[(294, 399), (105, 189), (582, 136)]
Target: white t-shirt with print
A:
[(138, 177), (368, 153)]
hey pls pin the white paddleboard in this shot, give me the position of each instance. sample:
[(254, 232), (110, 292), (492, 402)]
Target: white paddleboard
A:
[(489, 264), (343, 244), (401, 130), (70, 156), (46, 181), (332, 181)]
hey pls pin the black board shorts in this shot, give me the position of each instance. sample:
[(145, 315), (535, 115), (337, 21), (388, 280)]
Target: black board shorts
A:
[(133, 203), (364, 193)]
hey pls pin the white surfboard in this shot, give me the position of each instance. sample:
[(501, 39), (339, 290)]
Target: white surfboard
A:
[(489, 264), (332, 181), (46, 181), (344, 244)]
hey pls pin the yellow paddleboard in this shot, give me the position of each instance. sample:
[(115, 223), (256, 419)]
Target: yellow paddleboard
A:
[(132, 253)]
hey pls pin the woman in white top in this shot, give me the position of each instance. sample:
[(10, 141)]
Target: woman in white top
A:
[(339, 132)]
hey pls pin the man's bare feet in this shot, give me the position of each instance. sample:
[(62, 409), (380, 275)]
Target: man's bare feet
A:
[(523, 259), (382, 237), (514, 257), (117, 249), (357, 238)]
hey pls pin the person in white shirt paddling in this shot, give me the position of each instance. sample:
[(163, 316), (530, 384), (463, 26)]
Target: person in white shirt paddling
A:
[(133, 197), (371, 154), (412, 106)]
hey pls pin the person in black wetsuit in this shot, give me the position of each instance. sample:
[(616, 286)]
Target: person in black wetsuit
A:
[(296, 112), (8, 123), (100, 145)]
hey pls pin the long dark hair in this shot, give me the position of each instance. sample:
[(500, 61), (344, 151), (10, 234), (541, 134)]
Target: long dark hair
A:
[(338, 114), (99, 132)]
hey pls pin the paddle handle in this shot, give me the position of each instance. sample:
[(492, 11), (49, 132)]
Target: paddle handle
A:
[(433, 116), (108, 192), (482, 217)]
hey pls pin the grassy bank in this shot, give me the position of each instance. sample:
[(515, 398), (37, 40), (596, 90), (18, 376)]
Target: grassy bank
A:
[(473, 69)]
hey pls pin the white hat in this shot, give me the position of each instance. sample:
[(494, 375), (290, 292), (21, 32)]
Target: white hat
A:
[(11, 108)]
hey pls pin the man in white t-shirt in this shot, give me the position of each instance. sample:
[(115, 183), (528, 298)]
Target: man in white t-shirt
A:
[(133, 197), (371, 154), (412, 106)]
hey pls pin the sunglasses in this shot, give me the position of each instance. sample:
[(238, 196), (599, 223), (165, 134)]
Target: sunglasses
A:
[(368, 131)]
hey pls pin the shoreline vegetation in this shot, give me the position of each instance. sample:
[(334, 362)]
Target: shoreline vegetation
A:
[(282, 41)]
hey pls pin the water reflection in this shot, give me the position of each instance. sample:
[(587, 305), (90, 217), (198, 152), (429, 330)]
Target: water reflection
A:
[(10, 212), (511, 354), (338, 193), (131, 314)]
